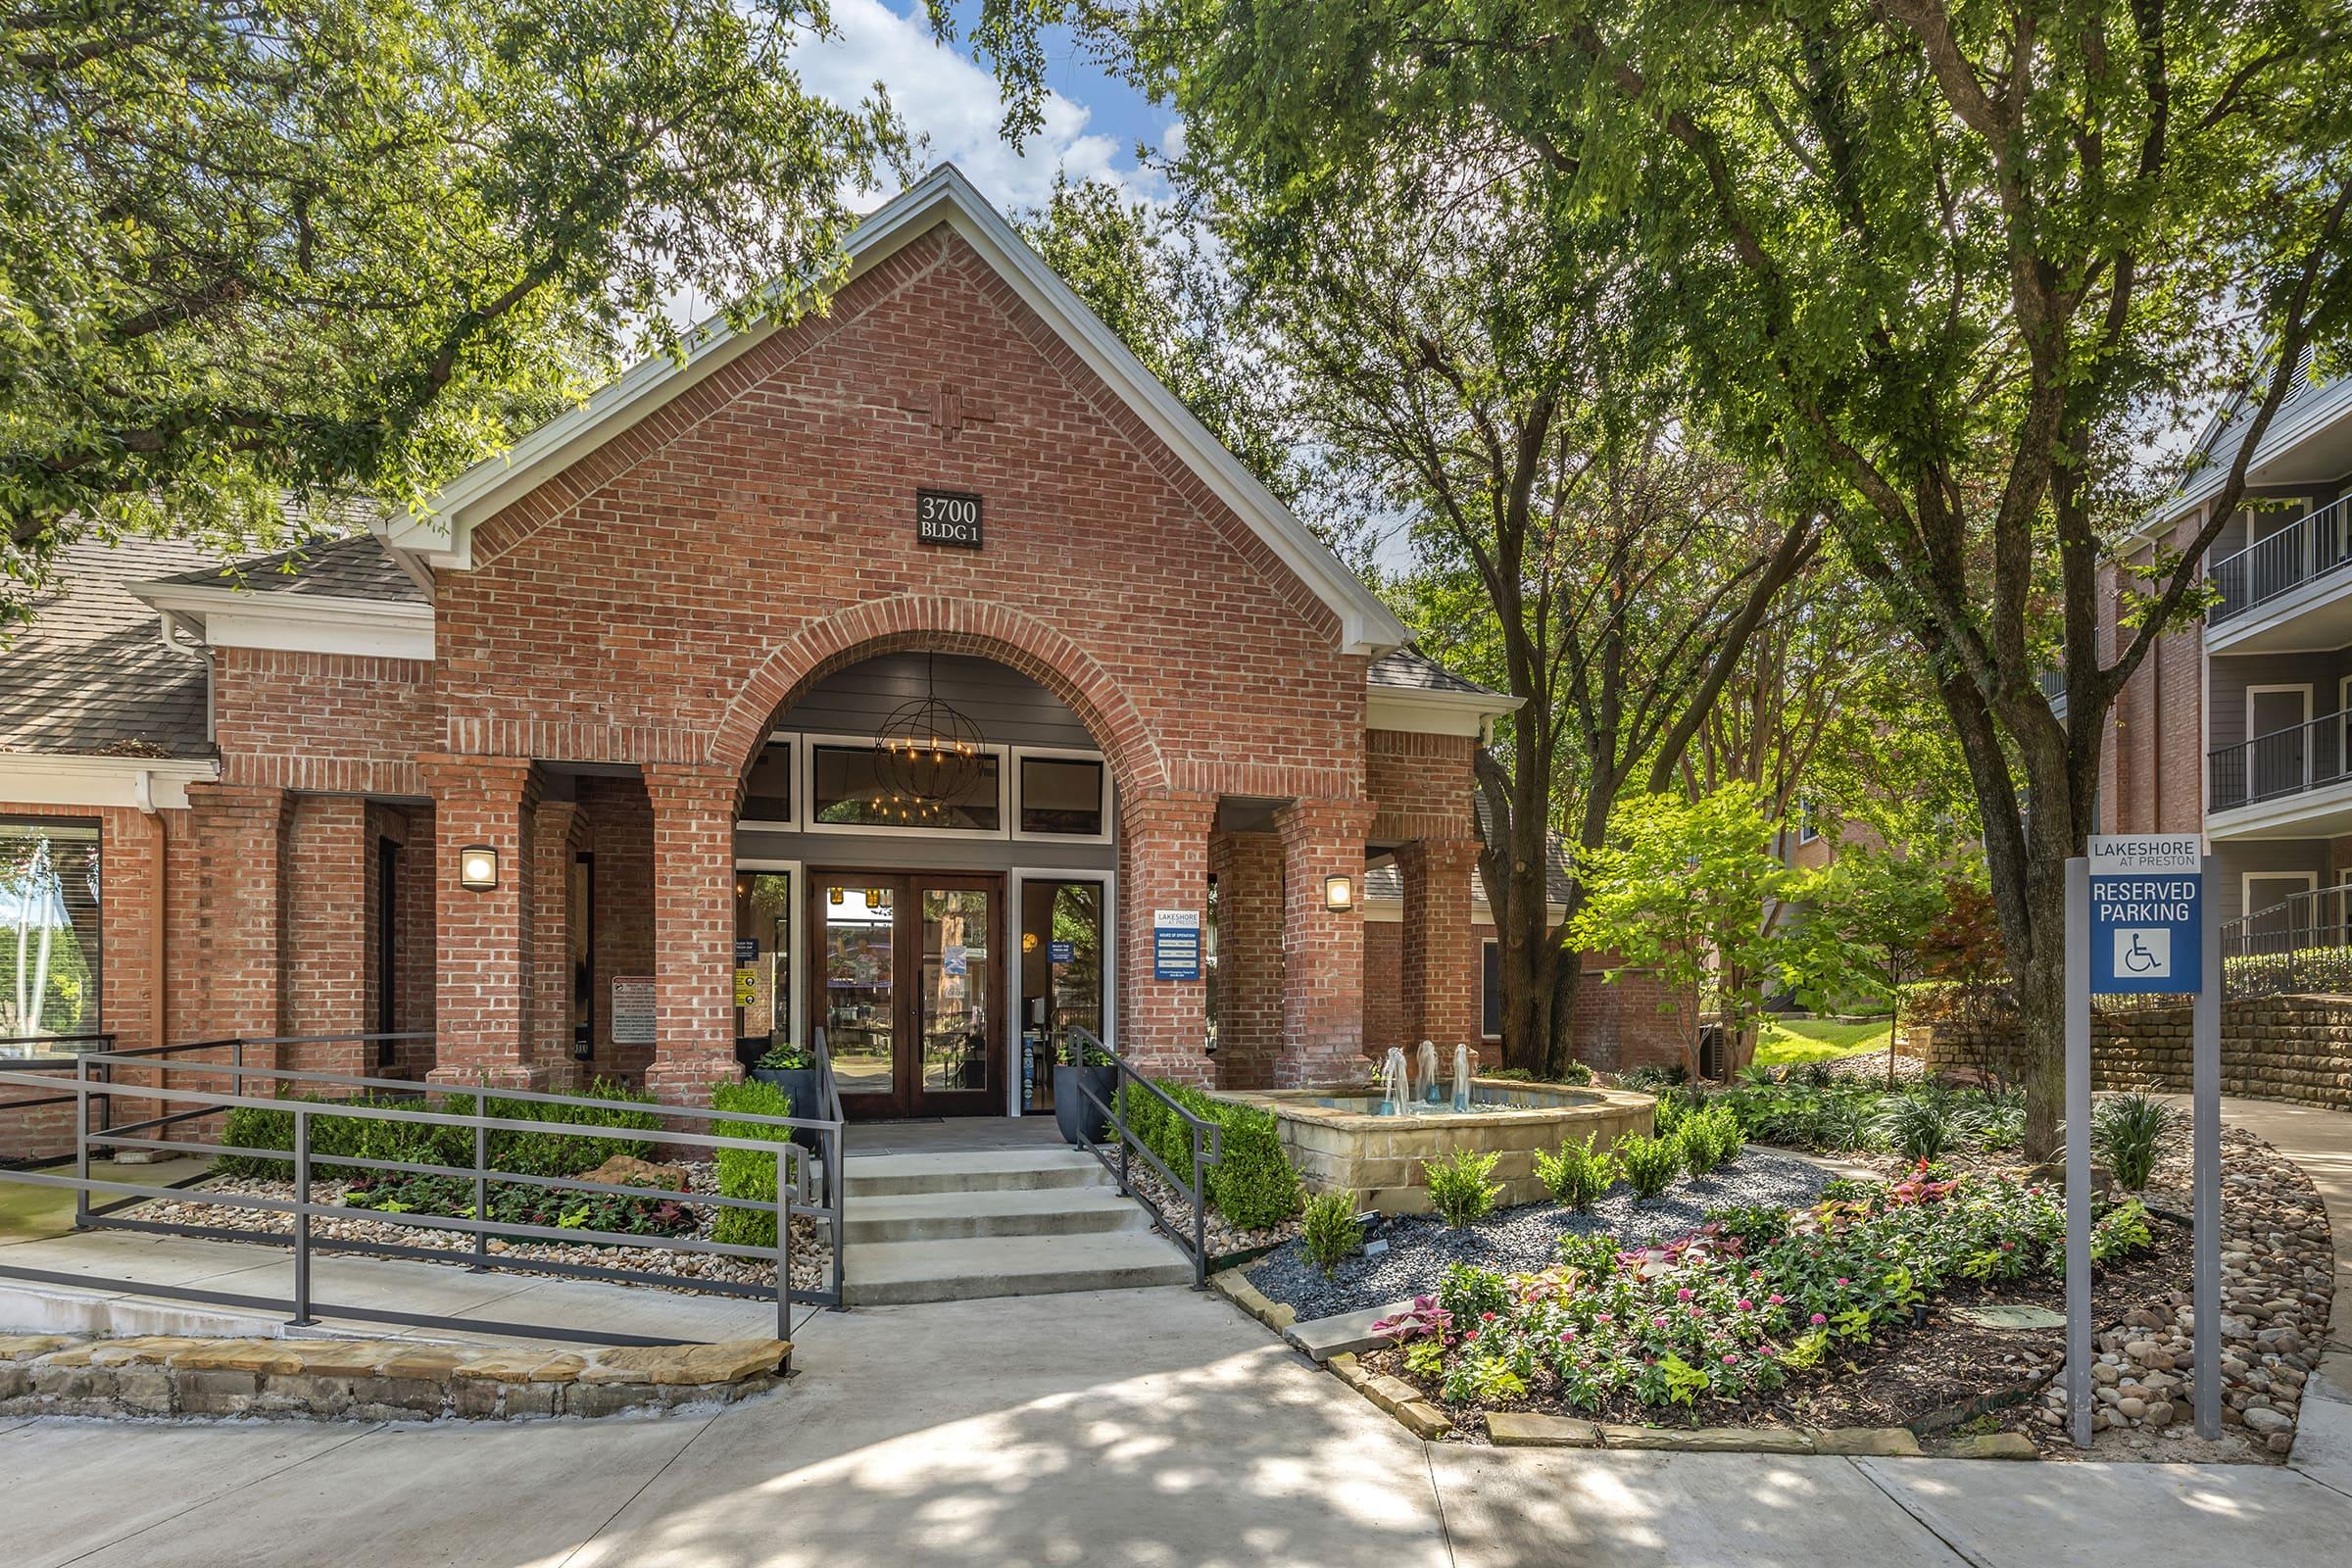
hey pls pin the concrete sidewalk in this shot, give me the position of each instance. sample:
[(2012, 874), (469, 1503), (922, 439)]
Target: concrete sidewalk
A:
[(1143, 1426)]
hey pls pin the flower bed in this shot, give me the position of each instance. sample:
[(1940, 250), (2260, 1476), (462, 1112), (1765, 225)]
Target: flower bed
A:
[(1754, 1316)]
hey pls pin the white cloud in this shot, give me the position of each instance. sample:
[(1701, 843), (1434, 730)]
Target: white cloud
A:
[(952, 104)]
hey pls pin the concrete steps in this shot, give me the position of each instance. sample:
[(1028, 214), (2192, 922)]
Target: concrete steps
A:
[(1013, 1222)]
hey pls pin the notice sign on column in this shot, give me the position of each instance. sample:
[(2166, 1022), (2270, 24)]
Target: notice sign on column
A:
[(2146, 926), (1175, 944), (633, 1009)]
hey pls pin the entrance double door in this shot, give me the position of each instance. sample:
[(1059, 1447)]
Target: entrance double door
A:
[(909, 969)]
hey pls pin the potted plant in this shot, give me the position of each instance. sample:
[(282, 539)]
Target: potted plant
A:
[(1083, 1120), (793, 1070)]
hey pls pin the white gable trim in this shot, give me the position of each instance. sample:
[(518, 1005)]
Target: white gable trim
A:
[(306, 623), (1434, 712), (71, 779), (444, 539)]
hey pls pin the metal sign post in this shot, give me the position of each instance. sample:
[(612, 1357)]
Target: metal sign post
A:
[(2138, 920)]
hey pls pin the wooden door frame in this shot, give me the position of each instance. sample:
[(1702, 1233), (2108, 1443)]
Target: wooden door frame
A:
[(907, 1097)]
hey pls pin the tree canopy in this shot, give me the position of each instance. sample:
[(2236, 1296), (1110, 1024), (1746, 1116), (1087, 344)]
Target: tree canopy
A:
[(254, 249)]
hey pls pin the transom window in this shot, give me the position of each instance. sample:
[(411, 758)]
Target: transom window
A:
[(958, 794)]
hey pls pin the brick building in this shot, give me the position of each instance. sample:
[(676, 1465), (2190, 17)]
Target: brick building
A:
[(2238, 728), (590, 771)]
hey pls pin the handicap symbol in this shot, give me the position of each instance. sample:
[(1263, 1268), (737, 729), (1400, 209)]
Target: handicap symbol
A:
[(2139, 960)]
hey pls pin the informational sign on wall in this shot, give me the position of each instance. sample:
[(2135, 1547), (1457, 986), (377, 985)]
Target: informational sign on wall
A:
[(948, 517), (2146, 925), (1175, 944), (747, 987), (633, 1009), (747, 949), (1061, 953)]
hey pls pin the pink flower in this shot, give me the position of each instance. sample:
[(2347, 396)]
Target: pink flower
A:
[(1682, 1294), (1698, 1311), (1841, 1279), (1747, 1305), (1730, 1357), (1776, 1298), (1489, 1317), (1660, 1321), (1566, 1334), (1472, 1335), (1605, 1317), (1819, 1318)]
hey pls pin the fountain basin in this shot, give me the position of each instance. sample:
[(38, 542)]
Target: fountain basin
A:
[(1340, 1140)]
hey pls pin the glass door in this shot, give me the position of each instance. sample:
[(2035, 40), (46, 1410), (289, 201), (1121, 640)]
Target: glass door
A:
[(905, 968), (1061, 978)]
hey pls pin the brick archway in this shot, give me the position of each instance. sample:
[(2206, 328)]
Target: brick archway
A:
[(937, 623)]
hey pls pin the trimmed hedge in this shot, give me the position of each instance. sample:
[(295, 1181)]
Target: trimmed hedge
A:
[(1254, 1185), (747, 1172), (525, 1154)]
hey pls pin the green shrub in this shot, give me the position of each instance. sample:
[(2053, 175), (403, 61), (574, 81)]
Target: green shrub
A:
[(1458, 1188), (1757, 1225), (1576, 1176), (520, 1152), (1469, 1291), (1650, 1165), (2000, 1115), (2122, 1230), (396, 1193), (1329, 1229), (1708, 1139), (748, 1172), (2128, 1132), (1254, 1186), (1927, 1122)]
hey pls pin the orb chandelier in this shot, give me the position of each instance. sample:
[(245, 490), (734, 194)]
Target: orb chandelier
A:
[(926, 758)]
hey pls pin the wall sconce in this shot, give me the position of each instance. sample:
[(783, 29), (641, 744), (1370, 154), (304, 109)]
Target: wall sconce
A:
[(1339, 893), (477, 868)]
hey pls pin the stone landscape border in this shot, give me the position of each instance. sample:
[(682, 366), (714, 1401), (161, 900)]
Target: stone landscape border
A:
[(371, 1380)]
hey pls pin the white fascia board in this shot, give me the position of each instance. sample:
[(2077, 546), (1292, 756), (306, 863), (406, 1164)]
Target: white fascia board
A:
[(2293, 425), (1428, 712), (1367, 626), (302, 623), (31, 778)]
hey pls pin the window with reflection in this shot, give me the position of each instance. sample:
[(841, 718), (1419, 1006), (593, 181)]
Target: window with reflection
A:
[(1061, 795), (960, 793), (767, 793), (49, 892)]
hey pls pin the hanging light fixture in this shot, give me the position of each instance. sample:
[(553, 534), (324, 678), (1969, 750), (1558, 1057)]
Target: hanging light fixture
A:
[(926, 758)]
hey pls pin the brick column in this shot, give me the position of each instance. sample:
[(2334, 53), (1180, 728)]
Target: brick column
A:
[(554, 837), (1440, 968), (236, 963), (1164, 864), (1322, 952), (1248, 867), (482, 940), (694, 929)]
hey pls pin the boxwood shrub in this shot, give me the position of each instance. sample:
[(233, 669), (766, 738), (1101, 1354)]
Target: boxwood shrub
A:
[(527, 1154), (1254, 1185), (748, 1172)]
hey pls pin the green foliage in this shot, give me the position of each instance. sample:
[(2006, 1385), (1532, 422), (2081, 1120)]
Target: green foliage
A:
[(1458, 1186), (786, 1055), (1329, 1229), (748, 1172), (1680, 891), (517, 1149), (1926, 1122), (1756, 1225), (349, 244), (1254, 1184), (1469, 1291), (1650, 1164), (392, 1193), (2128, 1132), (1707, 1139), (1576, 1176), (2120, 1231), (1861, 936)]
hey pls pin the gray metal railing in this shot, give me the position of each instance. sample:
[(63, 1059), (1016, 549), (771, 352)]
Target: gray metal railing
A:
[(1194, 1187), (21, 1048), (2282, 764), (2303, 551), (309, 1096), (2301, 944)]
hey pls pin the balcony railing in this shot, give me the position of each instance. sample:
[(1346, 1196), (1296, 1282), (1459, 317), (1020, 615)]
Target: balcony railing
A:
[(2301, 944), (2283, 763), (2302, 551)]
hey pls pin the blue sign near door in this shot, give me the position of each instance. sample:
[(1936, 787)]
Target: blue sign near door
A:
[(1176, 944), (1061, 953), (2146, 914)]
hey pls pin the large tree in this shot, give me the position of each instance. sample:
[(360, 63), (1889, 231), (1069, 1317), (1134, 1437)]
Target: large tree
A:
[(1455, 363), (1957, 269), (254, 247)]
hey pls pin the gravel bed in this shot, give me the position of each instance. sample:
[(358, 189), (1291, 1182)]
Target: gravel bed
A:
[(1421, 1246)]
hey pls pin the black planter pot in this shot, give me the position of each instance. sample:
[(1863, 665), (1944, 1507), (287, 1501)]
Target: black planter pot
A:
[(800, 1084), (1081, 1120)]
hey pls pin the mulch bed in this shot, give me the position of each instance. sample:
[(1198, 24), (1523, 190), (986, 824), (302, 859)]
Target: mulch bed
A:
[(1930, 1378)]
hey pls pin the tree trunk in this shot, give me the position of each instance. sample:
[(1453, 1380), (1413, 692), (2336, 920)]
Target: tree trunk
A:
[(1568, 983)]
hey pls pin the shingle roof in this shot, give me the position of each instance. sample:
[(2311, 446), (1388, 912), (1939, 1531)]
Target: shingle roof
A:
[(357, 567), (91, 674), (1410, 669)]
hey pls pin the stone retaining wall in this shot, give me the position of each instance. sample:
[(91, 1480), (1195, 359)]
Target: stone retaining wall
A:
[(370, 1380), (2294, 1049)]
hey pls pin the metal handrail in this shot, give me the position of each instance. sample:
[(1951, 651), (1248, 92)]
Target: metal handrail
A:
[(94, 1081), (2305, 550), (2283, 763), (2303, 942), (1194, 1190), (828, 1101), (7, 1041)]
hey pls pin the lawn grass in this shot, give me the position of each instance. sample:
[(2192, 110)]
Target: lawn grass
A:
[(1787, 1041)]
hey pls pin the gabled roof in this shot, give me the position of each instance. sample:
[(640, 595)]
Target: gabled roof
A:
[(92, 676), (444, 539), (1410, 669), (359, 567)]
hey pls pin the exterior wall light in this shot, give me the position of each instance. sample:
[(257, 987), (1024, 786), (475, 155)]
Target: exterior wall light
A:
[(1339, 893), (477, 868)]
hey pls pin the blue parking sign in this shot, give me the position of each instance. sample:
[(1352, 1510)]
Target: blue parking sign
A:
[(2146, 920)]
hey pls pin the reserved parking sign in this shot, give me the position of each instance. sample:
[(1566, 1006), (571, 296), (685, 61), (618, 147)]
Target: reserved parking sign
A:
[(2146, 921)]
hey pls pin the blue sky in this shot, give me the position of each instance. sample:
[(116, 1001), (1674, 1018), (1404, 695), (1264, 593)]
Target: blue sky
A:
[(1092, 120)]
